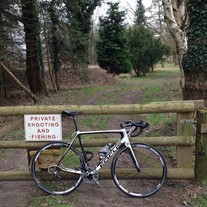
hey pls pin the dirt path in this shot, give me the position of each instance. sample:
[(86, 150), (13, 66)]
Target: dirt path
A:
[(109, 195), (15, 193), (93, 99), (132, 97)]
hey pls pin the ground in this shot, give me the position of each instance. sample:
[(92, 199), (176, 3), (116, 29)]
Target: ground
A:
[(19, 194)]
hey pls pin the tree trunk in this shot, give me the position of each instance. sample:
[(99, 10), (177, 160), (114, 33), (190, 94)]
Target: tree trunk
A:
[(195, 86), (57, 81), (175, 56), (45, 30), (173, 12), (195, 60), (30, 21), (18, 82), (33, 76), (2, 87), (55, 45), (2, 53)]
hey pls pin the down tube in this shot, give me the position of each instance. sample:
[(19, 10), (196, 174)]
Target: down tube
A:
[(108, 155)]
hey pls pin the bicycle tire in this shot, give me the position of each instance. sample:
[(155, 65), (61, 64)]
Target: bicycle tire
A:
[(41, 168), (141, 184)]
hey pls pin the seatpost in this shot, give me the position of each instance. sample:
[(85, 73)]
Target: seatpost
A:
[(74, 121)]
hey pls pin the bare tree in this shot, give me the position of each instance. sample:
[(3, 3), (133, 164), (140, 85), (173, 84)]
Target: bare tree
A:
[(176, 19)]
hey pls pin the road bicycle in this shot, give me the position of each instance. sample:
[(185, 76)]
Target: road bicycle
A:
[(137, 169)]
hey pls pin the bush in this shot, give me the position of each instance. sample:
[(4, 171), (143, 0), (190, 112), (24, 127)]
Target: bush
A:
[(146, 50)]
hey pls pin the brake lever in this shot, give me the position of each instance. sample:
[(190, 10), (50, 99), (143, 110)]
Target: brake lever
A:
[(131, 130), (126, 124), (136, 133)]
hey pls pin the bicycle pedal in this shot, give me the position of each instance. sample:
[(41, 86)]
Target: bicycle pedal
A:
[(97, 183)]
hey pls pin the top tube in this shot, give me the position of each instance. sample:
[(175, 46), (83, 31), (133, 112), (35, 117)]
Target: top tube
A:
[(135, 130)]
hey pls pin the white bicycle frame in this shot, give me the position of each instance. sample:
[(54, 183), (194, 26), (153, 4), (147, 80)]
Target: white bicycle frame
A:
[(123, 140)]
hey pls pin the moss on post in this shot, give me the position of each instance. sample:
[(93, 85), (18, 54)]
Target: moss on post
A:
[(201, 147), (184, 153)]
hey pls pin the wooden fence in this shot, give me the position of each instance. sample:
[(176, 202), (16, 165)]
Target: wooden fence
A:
[(184, 140)]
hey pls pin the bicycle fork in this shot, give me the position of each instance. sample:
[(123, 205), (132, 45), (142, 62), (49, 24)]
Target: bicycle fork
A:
[(134, 159), (125, 140)]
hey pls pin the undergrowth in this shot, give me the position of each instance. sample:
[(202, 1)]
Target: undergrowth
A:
[(200, 201)]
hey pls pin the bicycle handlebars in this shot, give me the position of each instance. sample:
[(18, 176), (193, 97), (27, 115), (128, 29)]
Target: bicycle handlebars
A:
[(136, 127)]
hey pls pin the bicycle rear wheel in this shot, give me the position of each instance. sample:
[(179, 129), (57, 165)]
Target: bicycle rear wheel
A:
[(48, 176), (139, 184)]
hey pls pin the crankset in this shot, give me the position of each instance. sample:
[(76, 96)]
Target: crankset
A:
[(91, 176)]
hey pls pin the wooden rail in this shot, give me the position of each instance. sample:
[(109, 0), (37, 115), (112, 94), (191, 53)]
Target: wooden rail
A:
[(158, 141), (104, 174), (184, 141), (155, 107)]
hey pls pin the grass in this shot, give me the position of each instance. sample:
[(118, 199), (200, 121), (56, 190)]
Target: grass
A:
[(51, 201), (72, 96), (14, 135), (200, 201), (96, 121), (160, 85), (160, 119)]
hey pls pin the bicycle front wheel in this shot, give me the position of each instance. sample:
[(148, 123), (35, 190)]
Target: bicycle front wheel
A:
[(53, 177), (139, 184)]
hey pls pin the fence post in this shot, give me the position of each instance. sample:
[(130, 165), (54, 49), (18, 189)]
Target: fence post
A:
[(184, 153), (201, 147)]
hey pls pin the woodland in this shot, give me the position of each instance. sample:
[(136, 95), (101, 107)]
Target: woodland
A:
[(44, 39)]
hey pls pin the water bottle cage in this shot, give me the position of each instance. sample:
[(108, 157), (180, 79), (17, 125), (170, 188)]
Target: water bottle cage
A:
[(102, 153), (88, 155)]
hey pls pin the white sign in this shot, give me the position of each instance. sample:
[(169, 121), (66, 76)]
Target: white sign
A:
[(43, 127)]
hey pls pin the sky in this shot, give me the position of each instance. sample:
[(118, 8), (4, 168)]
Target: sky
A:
[(146, 3), (130, 6), (126, 5)]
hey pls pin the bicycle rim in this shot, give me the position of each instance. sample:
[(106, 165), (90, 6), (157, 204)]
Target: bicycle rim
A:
[(44, 170), (139, 184)]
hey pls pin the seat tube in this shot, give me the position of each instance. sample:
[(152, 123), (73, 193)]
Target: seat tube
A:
[(82, 148)]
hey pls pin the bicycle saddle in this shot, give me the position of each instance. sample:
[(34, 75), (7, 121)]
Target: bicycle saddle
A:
[(69, 113)]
